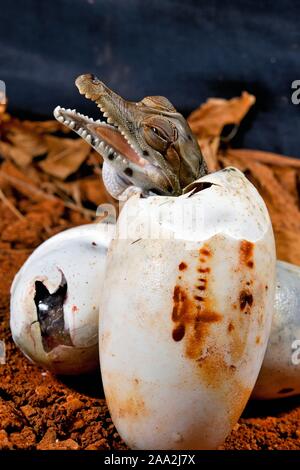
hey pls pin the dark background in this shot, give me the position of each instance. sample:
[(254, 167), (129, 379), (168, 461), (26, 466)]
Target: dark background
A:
[(185, 50)]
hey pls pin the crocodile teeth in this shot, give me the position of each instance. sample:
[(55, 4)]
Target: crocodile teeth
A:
[(56, 111), (71, 118)]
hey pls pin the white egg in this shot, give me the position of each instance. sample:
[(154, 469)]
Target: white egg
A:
[(280, 372), (55, 300), (183, 336)]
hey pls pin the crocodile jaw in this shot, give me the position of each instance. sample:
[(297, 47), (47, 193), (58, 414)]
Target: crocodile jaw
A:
[(147, 143), (116, 150)]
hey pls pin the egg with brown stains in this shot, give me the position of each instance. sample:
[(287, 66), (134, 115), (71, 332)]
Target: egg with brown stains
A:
[(183, 336)]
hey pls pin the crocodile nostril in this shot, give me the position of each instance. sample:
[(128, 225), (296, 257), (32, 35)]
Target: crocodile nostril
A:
[(93, 78), (128, 171)]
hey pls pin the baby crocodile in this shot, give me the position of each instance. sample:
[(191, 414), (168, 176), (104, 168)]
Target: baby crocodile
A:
[(147, 146)]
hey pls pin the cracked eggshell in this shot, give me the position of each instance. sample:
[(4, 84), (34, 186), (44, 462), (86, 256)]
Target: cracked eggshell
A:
[(280, 373), (63, 275), (183, 337)]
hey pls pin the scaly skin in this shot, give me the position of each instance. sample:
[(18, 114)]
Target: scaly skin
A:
[(147, 146)]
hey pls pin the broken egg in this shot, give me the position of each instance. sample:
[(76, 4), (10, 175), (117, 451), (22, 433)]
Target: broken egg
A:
[(280, 373), (183, 336), (55, 300)]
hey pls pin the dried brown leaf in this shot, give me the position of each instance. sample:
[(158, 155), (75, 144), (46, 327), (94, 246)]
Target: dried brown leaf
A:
[(288, 178), (282, 203), (32, 143), (209, 148), (44, 127), (19, 156), (65, 156), (210, 118), (27, 185), (68, 191), (266, 157), (93, 190), (208, 121)]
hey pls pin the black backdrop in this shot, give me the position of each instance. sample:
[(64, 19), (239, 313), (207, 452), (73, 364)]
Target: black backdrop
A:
[(185, 50)]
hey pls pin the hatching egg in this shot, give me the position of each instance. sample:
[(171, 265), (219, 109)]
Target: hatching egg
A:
[(280, 372), (183, 336), (55, 300)]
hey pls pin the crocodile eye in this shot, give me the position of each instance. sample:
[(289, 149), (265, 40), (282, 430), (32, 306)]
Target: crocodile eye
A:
[(159, 132), (155, 138)]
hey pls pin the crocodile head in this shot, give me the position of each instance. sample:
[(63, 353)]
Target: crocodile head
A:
[(147, 143)]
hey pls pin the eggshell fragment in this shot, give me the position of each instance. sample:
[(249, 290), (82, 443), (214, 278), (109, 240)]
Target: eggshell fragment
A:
[(280, 373), (183, 337), (55, 300)]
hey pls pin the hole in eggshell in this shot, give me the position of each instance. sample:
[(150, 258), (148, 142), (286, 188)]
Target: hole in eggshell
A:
[(197, 187), (50, 313)]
